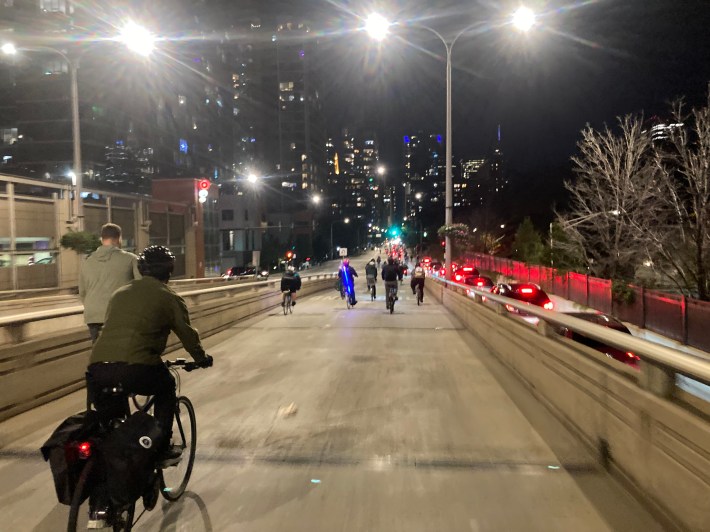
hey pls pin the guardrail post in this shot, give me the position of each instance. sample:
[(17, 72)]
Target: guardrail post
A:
[(500, 309), (657, 379), (545, 329)]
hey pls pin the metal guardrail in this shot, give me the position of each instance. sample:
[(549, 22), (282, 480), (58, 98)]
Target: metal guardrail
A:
[(649, 352), (27, 317)]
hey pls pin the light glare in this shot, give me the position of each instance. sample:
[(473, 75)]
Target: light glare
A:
[(377, 26), (252, 178), (524, 18), (8, 49), (137, 39)]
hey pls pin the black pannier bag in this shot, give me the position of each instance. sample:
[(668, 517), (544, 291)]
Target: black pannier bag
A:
[(60, 451), (129, 453)]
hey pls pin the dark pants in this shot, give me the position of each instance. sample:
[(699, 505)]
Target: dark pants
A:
[(414, 283), (94, 330), (140, 379)]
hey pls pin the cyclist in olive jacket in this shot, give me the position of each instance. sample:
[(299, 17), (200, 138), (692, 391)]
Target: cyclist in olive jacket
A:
[(139, 319)]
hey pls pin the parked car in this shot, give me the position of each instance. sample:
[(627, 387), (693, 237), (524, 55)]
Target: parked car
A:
[(604, 320), (245, 272), (482, 282), (527, 292)]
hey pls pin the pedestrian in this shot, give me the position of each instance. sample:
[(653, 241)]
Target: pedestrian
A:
[(106, 270)]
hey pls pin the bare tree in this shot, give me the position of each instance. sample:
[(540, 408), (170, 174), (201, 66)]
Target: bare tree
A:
[(614, 198), (682, 238)]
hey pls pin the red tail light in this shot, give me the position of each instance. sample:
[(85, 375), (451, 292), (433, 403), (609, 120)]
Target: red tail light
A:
[(458, 277), (526, 290), (549, 305), (632, 356), (479, 283), (468, 269), (83, 450)]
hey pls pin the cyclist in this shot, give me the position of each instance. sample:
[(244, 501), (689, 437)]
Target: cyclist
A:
[(378, 262), (390, 276), (371, 273), (290, 282), (346, 275), (418, 276), (139, 319)]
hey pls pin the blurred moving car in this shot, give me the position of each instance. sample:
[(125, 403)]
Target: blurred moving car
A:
[(245, 272), (482, 282), (604, 320), (467, 271), (527, 292)]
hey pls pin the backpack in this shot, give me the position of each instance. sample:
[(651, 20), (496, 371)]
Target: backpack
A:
[(59, 451), (130, 452)]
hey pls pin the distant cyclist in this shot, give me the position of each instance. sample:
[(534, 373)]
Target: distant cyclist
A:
[(390, 275), (378, 262), (418, 276), (347, 275), (371, 273), (290, 282)]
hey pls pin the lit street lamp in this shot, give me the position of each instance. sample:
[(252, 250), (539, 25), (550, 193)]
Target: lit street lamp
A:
[(378, 27), (345, 221), (136, 39)]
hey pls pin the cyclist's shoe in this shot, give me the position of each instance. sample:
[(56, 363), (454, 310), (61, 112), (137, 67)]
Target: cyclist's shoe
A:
[(293, 303), (152, 492), (99, 519), (170, 456)]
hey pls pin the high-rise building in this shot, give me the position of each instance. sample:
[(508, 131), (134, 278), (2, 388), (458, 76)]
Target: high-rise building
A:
[(424, 190), (467, 186)]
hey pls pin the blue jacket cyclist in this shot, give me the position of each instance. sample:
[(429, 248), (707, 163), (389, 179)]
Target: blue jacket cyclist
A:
[(128, 351)]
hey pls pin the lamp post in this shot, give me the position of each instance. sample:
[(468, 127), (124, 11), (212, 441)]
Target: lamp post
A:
[(574, 222), (132, 36), (377, 26), (345, 221)]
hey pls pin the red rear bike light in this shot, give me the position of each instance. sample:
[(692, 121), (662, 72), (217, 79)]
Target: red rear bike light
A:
[(549, 305), (83, 450)]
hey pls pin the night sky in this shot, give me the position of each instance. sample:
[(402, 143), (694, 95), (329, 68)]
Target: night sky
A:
[(585, 62)]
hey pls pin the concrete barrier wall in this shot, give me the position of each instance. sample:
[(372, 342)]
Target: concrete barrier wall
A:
[(659, 447), (43, 359)]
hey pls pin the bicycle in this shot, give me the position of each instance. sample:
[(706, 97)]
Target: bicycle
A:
[(288, 309), (372, 288), (169, 478), (391, 298), (420, 295)]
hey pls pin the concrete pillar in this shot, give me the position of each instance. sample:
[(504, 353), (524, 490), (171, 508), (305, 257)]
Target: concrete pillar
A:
[(142, 225), (13, 232), (68, 261)]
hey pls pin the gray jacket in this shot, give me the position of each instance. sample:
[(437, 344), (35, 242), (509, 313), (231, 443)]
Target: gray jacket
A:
[(106, 270)]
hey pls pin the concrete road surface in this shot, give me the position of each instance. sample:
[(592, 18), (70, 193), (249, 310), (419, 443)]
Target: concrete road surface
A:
[(355, 420)]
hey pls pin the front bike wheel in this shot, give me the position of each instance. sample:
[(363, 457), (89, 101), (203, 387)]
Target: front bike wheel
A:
[(286, 304), (80, 498), (174, 479)]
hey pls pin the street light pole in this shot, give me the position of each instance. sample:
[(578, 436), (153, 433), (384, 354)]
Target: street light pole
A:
[(76, 140)]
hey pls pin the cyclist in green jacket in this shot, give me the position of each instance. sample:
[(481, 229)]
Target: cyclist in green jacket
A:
[(139, 319)]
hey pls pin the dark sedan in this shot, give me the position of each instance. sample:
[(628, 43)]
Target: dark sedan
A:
[(481, 282), (527, 292), (605, 321)]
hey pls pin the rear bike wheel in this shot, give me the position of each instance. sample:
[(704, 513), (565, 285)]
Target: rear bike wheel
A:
[(287, 303), (391, 302), (420, 295), (80, 498), (373, 292), (174, 479), (123, 519), (348, 301)]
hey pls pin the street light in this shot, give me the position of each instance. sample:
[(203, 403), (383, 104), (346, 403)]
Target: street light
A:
[(574, 222), (252, 178), (136, 39), (345, 221), (316, 199), (377, 26)]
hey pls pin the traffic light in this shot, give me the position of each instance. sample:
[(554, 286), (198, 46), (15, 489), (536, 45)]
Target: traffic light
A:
[(394, 231), (204, 184)]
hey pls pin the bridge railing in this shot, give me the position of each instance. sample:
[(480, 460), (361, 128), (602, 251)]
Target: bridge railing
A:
[(44, 354), (643, 428)]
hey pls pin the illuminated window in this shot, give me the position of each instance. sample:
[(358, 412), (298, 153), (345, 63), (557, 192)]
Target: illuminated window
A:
[(286, 86), (54, 6)]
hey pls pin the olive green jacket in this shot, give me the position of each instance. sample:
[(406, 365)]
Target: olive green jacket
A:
[(139, 319), (102, 273)]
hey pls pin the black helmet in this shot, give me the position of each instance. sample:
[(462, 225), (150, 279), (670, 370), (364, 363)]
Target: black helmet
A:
[(390, 260), (156, 261)]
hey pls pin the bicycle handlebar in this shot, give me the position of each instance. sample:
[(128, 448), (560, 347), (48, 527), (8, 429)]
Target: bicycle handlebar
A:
[(183, 363)]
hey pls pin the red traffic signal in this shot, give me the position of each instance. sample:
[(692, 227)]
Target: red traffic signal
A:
[(443, 243), (204, 184)]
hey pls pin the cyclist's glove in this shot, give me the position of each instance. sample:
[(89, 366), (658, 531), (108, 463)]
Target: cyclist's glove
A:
[(207, 362)]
